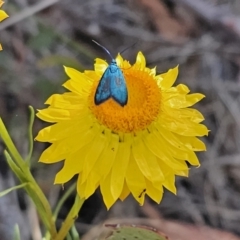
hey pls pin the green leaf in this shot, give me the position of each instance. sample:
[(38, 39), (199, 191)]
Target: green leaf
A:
[(30, 135), (5, 192), (30, 188), (16, 233), (71, 217), (11, 147), (63, 199), (16, 170), (74, 232), (133, 232), (68, 237)]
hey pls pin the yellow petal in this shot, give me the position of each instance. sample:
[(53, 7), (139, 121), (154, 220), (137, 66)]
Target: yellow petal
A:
[(135, 181), (105, 161), (183, 145), (105, 186), (54, 115), (171, 153), (171, 138), (169, 78), (95, 149), (53, 154), (81, 188), (99, 168), (162, 153), (3, 15), (180, 149), (182, 173), (182, 88), (186, 113), (169, 183), (119, 60), (120, 167), (192, 143), (139, 158), (125, 192), (77, 88), (66, 101), (125, 65), (153, 71), (175, 100), (140, 61), (176, 152), (192, 114), (100, 66), (183, 126), (77, 76), (94, 76), (79, 83), (155, 194), (147, 161), (59, 150), (64, 129), (72, 166), (192, 159), (91, 185), (192, 99)]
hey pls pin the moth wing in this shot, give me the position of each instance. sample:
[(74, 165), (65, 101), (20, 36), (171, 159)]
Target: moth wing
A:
[(118, 88), (103, 91)]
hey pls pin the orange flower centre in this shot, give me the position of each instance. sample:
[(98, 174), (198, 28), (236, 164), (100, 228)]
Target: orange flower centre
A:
[(142, 108)]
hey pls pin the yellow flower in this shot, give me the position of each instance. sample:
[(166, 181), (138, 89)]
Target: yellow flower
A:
[(138, 148), (3, 15)]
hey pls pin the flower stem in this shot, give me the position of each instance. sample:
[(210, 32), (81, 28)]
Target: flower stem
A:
[(22, 171), (71, 217), (45, 204), (63, 199), (11, 147), (30, 135)]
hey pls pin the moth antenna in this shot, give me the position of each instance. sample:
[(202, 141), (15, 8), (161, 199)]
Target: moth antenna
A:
[(105, 49), (129, 47)]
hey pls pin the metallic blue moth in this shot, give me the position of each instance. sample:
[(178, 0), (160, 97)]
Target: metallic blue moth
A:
[(112, 85)]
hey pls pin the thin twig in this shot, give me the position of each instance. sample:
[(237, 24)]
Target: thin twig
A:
[(27, 13)]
